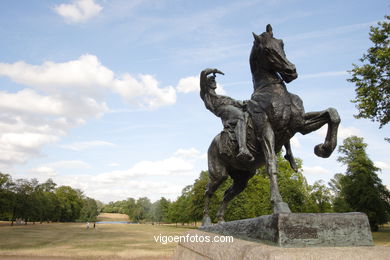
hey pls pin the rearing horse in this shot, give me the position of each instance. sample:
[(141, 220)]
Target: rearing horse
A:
[(275, 115)]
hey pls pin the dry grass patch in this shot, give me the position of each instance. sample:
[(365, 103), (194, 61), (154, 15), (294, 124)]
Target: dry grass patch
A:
[(107, 241), (112, 217), (382, 237)]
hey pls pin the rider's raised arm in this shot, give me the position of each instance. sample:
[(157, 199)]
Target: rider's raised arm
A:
[(204, 84)]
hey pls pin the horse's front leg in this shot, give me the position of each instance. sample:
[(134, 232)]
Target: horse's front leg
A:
[(268, 146), (314, 121)]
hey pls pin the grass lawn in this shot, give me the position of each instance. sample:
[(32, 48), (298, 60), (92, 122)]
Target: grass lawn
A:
[(107, 241), (382, 237)]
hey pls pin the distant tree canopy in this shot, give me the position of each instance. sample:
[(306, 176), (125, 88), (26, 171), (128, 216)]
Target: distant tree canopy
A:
[(32, 201), (372, 78), (360, 189)]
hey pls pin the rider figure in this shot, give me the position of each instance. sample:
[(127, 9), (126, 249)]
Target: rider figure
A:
[(233, 115), (231, 111)]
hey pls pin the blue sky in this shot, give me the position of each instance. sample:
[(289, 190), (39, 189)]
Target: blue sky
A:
[(104, 95)]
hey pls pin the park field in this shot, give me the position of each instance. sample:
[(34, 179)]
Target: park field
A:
[(107, 241)]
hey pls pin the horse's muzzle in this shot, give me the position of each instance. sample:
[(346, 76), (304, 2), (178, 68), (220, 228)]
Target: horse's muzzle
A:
[(289, 75)]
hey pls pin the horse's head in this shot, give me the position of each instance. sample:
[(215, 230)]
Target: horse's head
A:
[(268, 55)]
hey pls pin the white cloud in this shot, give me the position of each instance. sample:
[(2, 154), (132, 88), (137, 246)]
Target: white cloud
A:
[(78, 11), (342, 133), (88, 78), (44, 172), (180, 164), (192, 84), (295, 142), (382, 165), (59, 96), (191, 153), (324, 74), (189, 84), (145, 92), (72, 164), (315, 170), (120, 184), (79, 146), (114, 164), (51, 169)]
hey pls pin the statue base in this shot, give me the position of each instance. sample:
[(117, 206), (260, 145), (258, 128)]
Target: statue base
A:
[(243, 250), (300, 229)]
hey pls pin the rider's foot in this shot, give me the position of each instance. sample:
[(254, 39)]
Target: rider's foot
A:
[(245, 155)]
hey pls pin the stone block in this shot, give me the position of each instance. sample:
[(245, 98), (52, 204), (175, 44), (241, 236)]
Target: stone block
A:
[(301, 229)]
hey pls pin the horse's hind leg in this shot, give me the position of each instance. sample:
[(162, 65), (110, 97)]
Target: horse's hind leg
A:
[(217, 175), (314, 121), (237, 187), (290, 157)]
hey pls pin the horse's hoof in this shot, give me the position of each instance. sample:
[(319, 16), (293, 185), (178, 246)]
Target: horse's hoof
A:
[(206, 221), (322, 151), (281, 207), (291, 160)]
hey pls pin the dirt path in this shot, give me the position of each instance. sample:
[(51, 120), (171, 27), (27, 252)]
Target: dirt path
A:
[(76, 258)]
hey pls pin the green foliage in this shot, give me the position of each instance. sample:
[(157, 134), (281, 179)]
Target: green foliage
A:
[(321, 196), (360, 188), (117, 207), (159, 211), (89, 210), (32, 201), (70, 203), (7, 197), (372, 78), (255, 199)]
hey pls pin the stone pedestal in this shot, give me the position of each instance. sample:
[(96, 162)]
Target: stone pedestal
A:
[(301, 229), (242, 249)]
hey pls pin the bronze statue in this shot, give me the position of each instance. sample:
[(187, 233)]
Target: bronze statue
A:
[(255, 130)]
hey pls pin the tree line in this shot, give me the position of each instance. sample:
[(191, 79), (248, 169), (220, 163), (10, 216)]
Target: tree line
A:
[(31, 201), (358, 189)]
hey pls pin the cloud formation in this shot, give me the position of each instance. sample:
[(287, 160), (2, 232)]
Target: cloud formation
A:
[(342, 133), (59, 96), (78, 11), (131, 182), (192, 84), (315, 170)]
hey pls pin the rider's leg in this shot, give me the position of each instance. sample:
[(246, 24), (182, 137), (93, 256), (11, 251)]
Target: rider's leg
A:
[(240, 130)]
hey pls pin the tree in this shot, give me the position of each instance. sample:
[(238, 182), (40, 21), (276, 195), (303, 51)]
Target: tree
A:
[(372, 79), (338, 200), (130, 208), (159, 211), (6, 196), (142, 209), (89, 211), (22, 204), (70, 202), (361, 187), (322, 196)]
